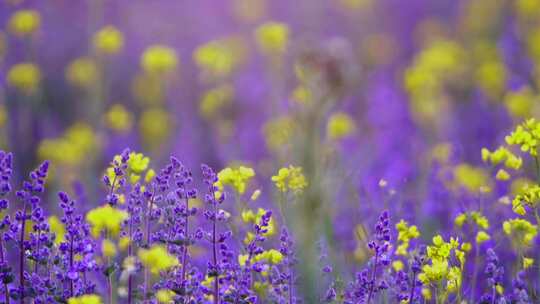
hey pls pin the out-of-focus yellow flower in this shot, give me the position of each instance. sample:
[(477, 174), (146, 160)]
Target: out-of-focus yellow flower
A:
[(500, 155), (491, 77), (106, 218), (58, 228), (24, 22), (82, 72), (278, 132), (74, 147), (471, 178), (85, 299), (157, 259), (24, 76), (340, 125), (108, 40), (520, 103), (301, 95), (108, 248), (440, 62), (219, 58), (124, 242), (527, 9), (118, 118), (290, 178), (502, 175), (272, 37), (154, 133), (398, 265), (165, 296), (159, 60), (147, 89), (520, 231), (255, 195), (249, 10), (213, 101), (441, 152)]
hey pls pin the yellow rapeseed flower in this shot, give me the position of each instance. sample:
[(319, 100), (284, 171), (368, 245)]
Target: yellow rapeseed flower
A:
[(159, 59), (24, 22), (340, 125), (82, 72), (272, 37), (290, 178), (118, 118), (165, 296), (108, 40), (237, 178), (24, 77), (157, 259), (58, 228), (106, 218), (85, 299)]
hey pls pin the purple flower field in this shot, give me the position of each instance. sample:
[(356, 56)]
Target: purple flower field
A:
[(258, 151)]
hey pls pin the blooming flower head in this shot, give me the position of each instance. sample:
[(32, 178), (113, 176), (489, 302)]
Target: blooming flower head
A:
[(165, 296), (24, 77), (520, 231), (340, 125), (272, 37), (237, 178), (154, 133), (85, 299), (406, 233), (106, 219), (526, 136), (82, 72), (24, 22), (108, 40), (219, 58), (157, 259), (159, 60), (118, 118), (290, 178)]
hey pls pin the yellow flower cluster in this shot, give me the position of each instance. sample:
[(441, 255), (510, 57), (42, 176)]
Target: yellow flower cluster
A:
[(85, 299), (157, 259), (108, 40), (108, 248), (529, 196), (165, 296), (271, 256), (82, 72), (71, 149), (105, 219), (527, 136), (248, 216), (520, 231), (58, 228), (340, 125), (278, 132), (471, 178), (159, 60), (272, 38), (502, 155), (440, 269), (25, 77), (118, 118), (290, 178), (214, 100), (425, 79), (237, 178), (405, 234), (521, 103), (475, 217), (482, 237), (220, 57), (153, 134), (24, 22)]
